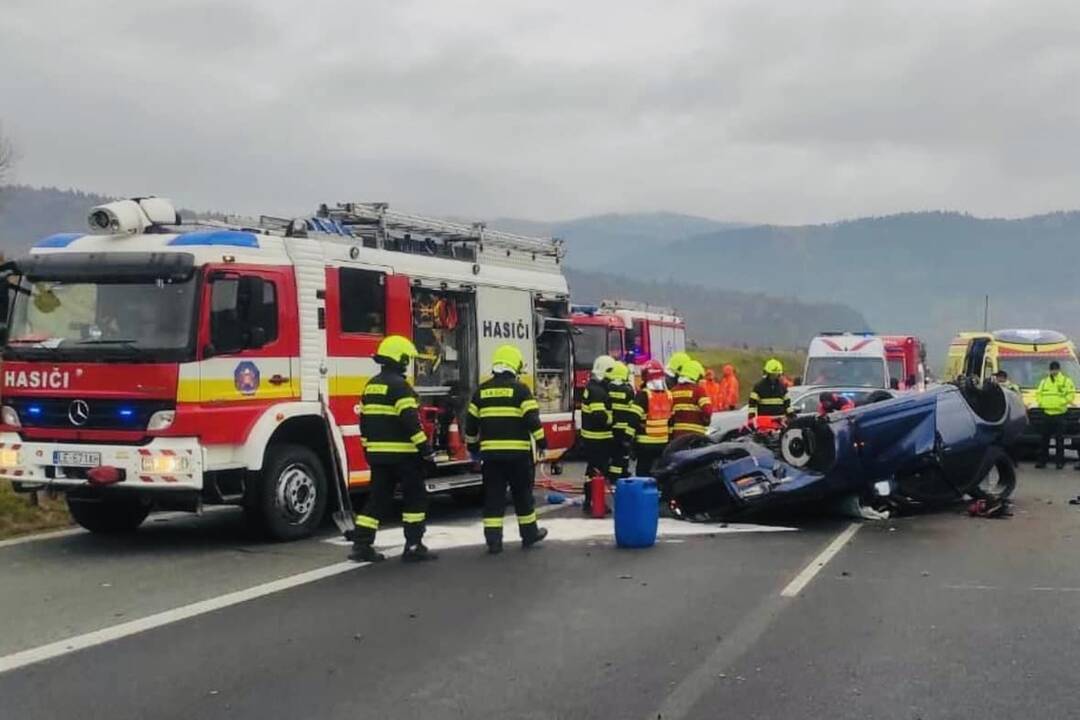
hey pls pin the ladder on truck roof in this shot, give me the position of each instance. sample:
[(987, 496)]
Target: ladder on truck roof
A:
[(378, 223)]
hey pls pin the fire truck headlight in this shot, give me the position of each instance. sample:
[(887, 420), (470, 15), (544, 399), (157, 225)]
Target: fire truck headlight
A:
[(159, 464), (9, 417), (9, 458), (161, 420)]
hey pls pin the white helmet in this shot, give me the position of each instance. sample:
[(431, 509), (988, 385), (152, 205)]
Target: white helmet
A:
[(602, 367)]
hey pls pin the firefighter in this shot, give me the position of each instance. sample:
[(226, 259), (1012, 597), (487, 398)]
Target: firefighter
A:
[(674, 365), (396, 448), (624, 421), (652, 409), (1054, 395), (597, 420), (503, 425), (712, 389), (729, 390), (691, 409), (769, 397)]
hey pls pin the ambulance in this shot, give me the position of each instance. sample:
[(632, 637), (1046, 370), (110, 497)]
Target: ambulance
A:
[(846, 360), (151, 364)]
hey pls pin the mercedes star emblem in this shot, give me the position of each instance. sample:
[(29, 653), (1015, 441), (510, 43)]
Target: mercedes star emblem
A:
[(78, 412)]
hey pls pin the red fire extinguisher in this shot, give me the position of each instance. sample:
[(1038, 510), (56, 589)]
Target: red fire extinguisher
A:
[(598, 496)]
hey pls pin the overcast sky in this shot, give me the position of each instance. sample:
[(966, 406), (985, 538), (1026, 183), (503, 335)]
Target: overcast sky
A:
[(784, 111)]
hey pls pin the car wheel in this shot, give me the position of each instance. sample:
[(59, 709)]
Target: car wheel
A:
[(108, 515), (996, 477), (797, 446), (292, 493)]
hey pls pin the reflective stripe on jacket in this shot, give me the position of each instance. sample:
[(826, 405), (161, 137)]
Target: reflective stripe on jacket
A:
[(691, 410), (654, 410), (596, 414), (504, 418), (390, 429)]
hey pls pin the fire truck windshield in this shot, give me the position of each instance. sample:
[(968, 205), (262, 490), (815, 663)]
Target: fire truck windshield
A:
[(150, 320), (590, 342)]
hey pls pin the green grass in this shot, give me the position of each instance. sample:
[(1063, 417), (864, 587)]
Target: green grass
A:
[(19, 517), (748, 363)]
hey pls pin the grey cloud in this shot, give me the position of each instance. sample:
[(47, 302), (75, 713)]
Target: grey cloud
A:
[(783, 112)]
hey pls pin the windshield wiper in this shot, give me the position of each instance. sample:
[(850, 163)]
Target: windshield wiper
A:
[(108, 341)]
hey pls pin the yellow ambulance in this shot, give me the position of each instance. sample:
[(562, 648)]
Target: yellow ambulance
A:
[(1025, 354)]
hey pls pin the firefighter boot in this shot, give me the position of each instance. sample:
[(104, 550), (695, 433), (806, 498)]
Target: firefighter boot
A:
[(364, 552), (533, 536), (493, 537), (418, 553)]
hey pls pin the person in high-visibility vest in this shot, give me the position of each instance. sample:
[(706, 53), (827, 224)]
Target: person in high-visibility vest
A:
[(597, 419), (501, 428), (769, 398), (1054, 395), (729, 390), (652, 408), (395, 446), (712, 388), (623, 426), (691, 409)]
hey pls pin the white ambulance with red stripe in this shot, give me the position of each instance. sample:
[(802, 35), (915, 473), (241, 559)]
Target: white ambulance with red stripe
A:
[(151, 364), (846, 360)]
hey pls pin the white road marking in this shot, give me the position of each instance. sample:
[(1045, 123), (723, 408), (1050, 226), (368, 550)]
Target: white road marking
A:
[(41, 536), (116, 632), (681, 701), (803, 578)]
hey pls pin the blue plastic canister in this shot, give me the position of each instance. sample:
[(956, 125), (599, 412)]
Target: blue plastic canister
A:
[(637, 512)]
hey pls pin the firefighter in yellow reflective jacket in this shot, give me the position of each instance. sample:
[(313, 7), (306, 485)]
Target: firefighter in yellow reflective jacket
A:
[(691, 409), (395, 447), (503, 426), (1054, 395), (769, 398), (624, 421), (674, 367), (597, 419)]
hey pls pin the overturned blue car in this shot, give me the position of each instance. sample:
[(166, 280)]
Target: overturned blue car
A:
[(927, 448)]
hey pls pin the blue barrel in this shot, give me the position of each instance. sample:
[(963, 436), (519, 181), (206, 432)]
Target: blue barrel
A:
[(637, 512)]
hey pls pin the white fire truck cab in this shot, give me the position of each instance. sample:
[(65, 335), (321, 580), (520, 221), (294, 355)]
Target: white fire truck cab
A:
[(153, 364)]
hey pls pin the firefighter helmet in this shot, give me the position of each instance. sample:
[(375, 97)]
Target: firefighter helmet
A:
[(653, 370), (601, 367), (692, 371), (774, 367), (510, 357), (396, 349), (619, 372), (676, 362)]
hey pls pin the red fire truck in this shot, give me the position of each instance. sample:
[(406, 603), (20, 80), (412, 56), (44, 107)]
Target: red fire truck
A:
[(635, 332), (151, 364), (906, 358)]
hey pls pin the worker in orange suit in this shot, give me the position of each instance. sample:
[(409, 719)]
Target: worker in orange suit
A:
[(728, 397), (712, 388)]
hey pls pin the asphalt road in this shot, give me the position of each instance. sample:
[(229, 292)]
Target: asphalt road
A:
[(932, 616)]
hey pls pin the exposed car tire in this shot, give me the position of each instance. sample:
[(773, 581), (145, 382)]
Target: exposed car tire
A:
[(291, 493), (797, 446), (685, 442), (995, 478), (108, 516)]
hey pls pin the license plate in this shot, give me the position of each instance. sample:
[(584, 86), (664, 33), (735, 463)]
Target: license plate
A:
[(76, 458)]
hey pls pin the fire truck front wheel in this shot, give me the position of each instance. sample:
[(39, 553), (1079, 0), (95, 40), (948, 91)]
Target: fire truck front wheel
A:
[(290, 493), (108, 515)]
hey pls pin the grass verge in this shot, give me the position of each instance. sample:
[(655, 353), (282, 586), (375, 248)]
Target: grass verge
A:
[(19, 517)]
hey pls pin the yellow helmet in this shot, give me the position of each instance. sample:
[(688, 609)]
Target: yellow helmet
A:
[(601, 367), (396, 348), (619, 372), (774, 367), (692, 371), (676, 362), (509, 356)]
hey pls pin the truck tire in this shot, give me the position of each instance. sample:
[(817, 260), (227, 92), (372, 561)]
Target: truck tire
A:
[(290, 493), (108, 516)]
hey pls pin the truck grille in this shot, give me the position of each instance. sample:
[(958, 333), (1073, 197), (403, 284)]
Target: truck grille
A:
[(68, 413)]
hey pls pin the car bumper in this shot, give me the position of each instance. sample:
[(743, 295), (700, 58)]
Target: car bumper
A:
[(164, 464)]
